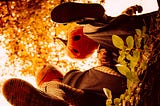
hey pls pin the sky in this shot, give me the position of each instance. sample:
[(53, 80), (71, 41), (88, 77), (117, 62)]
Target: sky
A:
[(115, 7)]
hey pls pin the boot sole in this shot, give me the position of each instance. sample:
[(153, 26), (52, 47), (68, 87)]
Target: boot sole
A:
[(68, 12), (20, 93)]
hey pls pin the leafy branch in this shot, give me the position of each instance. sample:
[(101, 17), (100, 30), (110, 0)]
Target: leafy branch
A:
[(135, 55)]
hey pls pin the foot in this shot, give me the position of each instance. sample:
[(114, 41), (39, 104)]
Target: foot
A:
[(69, 12), (48, 73), (65, 92), (20, 93)]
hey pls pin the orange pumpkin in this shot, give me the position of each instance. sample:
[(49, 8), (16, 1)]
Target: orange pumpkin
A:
[(79, 46)]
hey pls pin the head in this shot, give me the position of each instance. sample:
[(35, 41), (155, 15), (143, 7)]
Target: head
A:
[(80, 46)]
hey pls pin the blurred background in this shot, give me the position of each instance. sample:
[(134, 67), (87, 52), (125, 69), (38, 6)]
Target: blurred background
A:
[(27, 37)]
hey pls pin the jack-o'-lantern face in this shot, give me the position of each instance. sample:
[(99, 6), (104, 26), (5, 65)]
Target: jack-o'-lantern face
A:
[(79, 45)]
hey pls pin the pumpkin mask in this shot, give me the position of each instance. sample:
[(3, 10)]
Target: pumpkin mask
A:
[(79, 46)]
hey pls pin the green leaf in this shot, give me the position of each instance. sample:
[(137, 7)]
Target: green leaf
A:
[(122, 96), (138, 38), (129, 83), (122, 62), (136, 54), (135, 59), (123, 69), (121, 58), (130, 42), (129, 57), (138, 32), (108, 93), (108, 102), (132, 77), (129, 76), (133, 65), (117, 42), (117, 101), (127, 98)]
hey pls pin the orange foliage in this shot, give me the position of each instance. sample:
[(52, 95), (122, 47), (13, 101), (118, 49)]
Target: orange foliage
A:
[(30, 34)]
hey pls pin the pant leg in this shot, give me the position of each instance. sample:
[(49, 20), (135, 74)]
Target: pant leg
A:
[(94, 80)]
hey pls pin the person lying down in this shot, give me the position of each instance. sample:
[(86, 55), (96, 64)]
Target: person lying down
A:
[(77, 88)]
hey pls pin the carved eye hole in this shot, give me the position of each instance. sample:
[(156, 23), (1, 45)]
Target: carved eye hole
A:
[(76, 37), (75, 51)]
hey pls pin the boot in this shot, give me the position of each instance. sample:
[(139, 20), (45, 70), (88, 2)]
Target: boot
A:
[(20, 93), (70, 11)]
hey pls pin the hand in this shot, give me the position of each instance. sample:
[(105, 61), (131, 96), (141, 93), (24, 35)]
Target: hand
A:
[(104, 57), (130, 11)]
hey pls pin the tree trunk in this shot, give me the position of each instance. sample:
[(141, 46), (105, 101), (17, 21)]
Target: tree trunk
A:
[(150, 93)]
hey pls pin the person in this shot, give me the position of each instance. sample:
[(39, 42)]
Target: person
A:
[(78, 88)]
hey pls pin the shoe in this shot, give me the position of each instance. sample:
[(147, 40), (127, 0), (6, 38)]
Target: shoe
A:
[(65, 92), (70, 11), (48, 73), (20, 93)]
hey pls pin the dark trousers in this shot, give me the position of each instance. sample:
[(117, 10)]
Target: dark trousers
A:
[(92, 82)]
